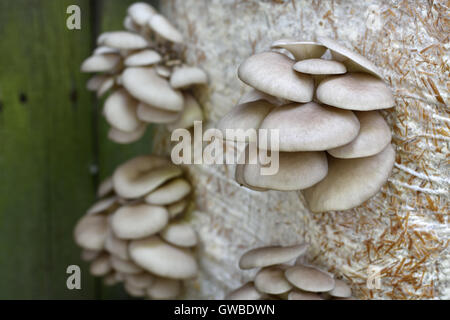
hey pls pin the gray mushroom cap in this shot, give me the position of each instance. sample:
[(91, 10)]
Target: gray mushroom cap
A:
[(272, 255), (255, 95), (148, 113), (142, 58), (355, 91), (101, 265), (271, 280), (309, 279), (245, 292), (120, 111), (319, 67), (145, 85), (170, 192), (297, 170), (165, 29), (374, 135), (350, 182), (311, 126), (180, 234), (90, 232), (186, 76), (301, 49), (272, 73), (120, 136), (340, 290)]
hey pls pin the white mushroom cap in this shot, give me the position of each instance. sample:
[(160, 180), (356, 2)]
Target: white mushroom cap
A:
[(255, 95), (301, 295), (134, 291), (90, 232), (120, 111), (320, 66), (105, 86), (163, 71), (309, 278), (272, 73), (268, 256), (124, 266), (164, 28), (374, 135), (244, 116), (271, 280), (100, 63), (297, 170), (350, 182), (89, 255), (163, 259), (147, 113), (355, 91), (352, 60), (145, 85), (177, 208), (138, 221), (141, 280), (143, 174), (122, 40), (239, 177), (105, 50), (130, 25), (100, 266), (187, 76), (143, 58), (191, 112), (102, 205), (246, 292), (179, 234), (105, 187), (116, 246), (119, 136), (96, 81), (341, 290), (301, 49), (170, 192), (311, 126), (141, 12), (164, 288)]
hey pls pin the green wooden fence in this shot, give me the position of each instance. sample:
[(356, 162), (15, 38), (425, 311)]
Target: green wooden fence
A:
[(53, 145)]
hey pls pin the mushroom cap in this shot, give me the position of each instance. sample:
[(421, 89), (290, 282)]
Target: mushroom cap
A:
[(120, 136), (100, 266), (141, 12), (138, 221), (374, 135), (163, 288), (164, 28), (122, 40), (268, 256), (116, 246), (255, 95), (272, 73), (297, 170), (89, 255), (187, 76), (100, 63), (145, 85), (163, 71), (90, 232), (246, 292), (244, 116), (142, 58), (352, 60), (130, 25), (143, 174), (120, 111), (170, 192), (105, 187), (355, 91), (95, 82), (309, 278), (124, 266), (105, 86), (102, 205), (105, 50), (191, 112), (140, 280), (341, 290), (301, 295), (350, 182), (320, 66), (271, 280), (311, 126), (134, 291), (301, 49), (177, 208), (147, 113), (180, 234), (163, 259), (239, 177)]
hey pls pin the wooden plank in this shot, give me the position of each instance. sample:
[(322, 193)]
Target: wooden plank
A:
[(46, 149)]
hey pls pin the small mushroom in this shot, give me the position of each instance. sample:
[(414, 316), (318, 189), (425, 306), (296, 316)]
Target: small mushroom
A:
[(180, 234), (255, 95), (120, 111), (102, 205), (309, 279), (319, 67), (268, 256), (134, 291), (176, 208), (163, 288), (100, 63), (301, 49), (90, 232), (142, 58), (191, 112), (120, 136), (271, 280), (141, 13), (272, 73), (124, 266), (100, 266), (140, 280), (170, 192), (186, 76), (164, 28), (246, 292), (123, 40), (340, 290), (115, 246), (105, 187)]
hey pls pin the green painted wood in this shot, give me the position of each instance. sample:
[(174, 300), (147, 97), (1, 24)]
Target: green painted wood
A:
[(46, 148)]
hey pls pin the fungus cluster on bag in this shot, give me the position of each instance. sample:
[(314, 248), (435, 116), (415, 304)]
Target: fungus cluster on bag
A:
[(333, 142), (149, 83), (135, 234), (279, 278)]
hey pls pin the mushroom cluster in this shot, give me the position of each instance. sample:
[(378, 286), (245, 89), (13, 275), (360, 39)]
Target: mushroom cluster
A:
[(148, 80), (333, 143), (135, 234), (283, 275)]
